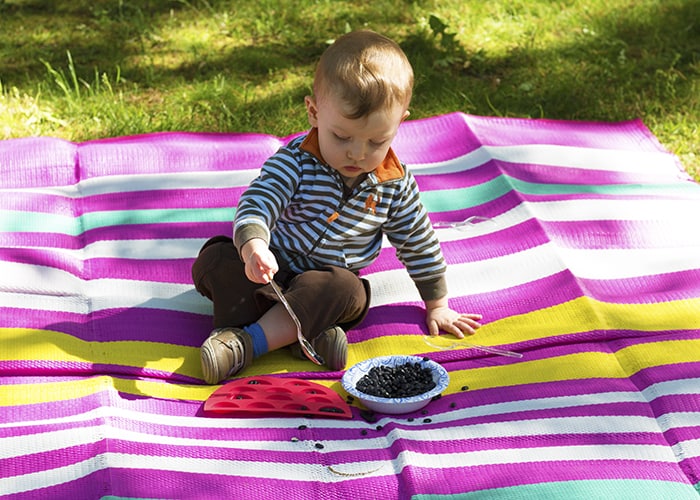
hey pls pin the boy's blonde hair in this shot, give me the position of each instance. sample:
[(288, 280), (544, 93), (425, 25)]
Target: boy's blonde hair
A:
[(368, 71)]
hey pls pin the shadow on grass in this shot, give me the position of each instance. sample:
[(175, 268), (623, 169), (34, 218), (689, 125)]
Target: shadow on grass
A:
[(632, 66)]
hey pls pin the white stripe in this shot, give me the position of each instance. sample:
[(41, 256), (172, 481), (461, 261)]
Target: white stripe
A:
[(627, 262), (147, 182), (662, 165), (673, 388), (636, 210), (46, 288), (687, 449), (494, 274), (53, 441), (322, 473)]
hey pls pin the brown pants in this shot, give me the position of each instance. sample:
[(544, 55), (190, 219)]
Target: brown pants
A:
[(320, 298)]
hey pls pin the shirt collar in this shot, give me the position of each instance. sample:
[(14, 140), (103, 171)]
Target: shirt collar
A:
[(389, 169)]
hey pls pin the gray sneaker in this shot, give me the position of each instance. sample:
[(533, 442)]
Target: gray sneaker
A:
[(226, 352), (331, 344)]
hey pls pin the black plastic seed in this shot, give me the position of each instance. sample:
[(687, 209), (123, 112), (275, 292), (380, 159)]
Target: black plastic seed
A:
[(465, 387), (253, 382), (294, 439), (379, 427), (427, 420), (400, 381), (330, 409), (368, 416), (453, 405), (364, 432), (302, 427), (319, 446), (411, 419)]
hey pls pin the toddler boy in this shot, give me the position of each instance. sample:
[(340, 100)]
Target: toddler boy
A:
[(315, 217)]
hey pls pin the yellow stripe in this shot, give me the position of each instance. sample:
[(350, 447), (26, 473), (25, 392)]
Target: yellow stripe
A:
[(579, 366), (47, 345), (579, 315), (582, 314)]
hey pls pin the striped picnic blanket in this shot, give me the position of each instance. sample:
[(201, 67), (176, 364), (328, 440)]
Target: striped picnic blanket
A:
[(582, 253)]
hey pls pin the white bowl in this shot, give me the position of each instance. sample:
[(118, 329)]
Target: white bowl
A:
[(394, 405)]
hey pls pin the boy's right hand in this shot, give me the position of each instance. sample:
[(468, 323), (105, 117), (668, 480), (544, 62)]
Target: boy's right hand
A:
[(260, 263)]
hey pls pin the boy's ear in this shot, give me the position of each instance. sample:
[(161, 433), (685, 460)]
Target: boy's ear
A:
[(311, 110), (406, 114)]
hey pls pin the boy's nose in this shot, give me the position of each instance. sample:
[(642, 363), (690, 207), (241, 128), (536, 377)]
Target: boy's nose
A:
[(356, 152)]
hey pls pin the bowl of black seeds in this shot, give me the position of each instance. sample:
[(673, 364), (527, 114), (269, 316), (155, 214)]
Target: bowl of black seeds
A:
[(395, 384)]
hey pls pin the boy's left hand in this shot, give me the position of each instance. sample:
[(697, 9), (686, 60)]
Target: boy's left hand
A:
[(439, 316), (458, 324)]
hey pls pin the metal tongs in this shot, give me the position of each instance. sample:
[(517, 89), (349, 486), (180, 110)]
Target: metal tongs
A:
[(306, 346)]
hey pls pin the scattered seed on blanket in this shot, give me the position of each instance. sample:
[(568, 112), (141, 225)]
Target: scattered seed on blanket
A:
[(302, 427), (465, 387), (427, 420), (368, 416), (453, 405), (319, 446), (294, 439), (364, 432), (379, 427)]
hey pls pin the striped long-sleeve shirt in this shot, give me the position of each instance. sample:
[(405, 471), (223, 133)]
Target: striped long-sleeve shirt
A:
[(299, 206)]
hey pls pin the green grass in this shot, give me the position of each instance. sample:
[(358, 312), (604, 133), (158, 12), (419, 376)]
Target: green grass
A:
[(87, 69)]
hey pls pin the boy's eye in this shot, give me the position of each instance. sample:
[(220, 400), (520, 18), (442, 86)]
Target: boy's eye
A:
[(341, 138), (377, 144)]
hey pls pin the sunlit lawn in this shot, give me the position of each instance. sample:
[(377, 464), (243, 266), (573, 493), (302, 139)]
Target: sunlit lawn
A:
[(82, 70)]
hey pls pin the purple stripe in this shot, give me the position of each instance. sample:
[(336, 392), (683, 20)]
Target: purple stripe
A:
[(629, 135), (127, 200), (450, 137), (37, 162), (39, 368), (175, 152), (170, 230), (547, 174), (457, 180), (649, 289), (648, 376), (159, 271), (593, 195), (411, 481), (154, 325), (609, 234)]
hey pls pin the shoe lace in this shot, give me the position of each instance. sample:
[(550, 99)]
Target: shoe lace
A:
[(237, 352)]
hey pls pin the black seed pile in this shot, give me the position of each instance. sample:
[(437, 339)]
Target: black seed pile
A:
[(400, 381)]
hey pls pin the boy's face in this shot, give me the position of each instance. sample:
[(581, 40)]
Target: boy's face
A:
[(353, 147)]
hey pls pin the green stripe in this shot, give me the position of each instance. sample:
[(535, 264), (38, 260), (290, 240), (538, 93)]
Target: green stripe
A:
[(674, 189), (13, 221), (632, 489), (445, 200)]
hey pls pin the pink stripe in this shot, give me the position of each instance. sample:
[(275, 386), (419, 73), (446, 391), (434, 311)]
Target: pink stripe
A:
[(628, 135), (547, 174), (127, 200), (37, 161), (155, 325), (169, 230), (175, 152), (456, 180)]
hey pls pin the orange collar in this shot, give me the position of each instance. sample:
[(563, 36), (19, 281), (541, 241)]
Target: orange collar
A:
[(390, 168)]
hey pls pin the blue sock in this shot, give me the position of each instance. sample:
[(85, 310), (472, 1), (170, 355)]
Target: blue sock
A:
[(259, 341)]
